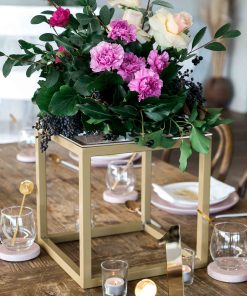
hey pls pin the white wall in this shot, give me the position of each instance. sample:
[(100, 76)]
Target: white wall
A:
[(238, 60)]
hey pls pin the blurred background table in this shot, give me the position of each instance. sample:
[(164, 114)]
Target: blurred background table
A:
[(43, 276)]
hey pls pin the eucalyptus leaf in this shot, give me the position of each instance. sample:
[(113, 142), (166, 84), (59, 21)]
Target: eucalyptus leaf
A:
[(47, 37), (232, 34), (105, 15), (185, 153), (8, 65), (199, 37), (162, 3), (2, 54), (84, 19), (38, 19), (222, 30), (215, 46), (30, 70)]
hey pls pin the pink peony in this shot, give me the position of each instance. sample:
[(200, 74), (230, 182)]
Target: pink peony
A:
[(147, 83), (120, 29), (106, 56), (131, 64), (60, 18), (61, 53), (158, 62)]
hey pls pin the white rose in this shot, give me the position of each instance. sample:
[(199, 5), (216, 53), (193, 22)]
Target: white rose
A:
[(128, 3), (143, 36), (166, 31), (133, 17)]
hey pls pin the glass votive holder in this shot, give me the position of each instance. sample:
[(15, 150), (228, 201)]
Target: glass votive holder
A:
[(26, 145), (228, 245), (120, 177), (114, 277), (188, 261), (18, 231)]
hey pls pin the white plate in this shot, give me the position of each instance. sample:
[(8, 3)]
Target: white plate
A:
[(175, 193), (175, 209), (102, 161)]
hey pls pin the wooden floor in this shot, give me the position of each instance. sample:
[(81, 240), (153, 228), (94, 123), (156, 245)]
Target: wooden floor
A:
[(239, 161)]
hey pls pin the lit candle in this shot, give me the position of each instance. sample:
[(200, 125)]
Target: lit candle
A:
[(146, 287), (114, 286), (186, 274)]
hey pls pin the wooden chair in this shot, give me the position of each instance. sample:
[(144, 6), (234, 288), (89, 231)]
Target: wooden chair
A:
[(223, 155), (242, 186)]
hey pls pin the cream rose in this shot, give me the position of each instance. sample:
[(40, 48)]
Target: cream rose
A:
[(128, 3), (165, 30), (133, 17), (183, 20)]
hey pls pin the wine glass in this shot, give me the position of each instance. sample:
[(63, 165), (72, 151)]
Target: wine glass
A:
[(228, 245)]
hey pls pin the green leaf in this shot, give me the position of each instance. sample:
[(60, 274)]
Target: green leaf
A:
[(194, 113), (95, 121), (38, 19), (47, 12), (105, 81), (225, 121), (105, 15), (199, 37), (126, 111), (81, 85), (92, 4), (43, 96), (8, 65), (52, 77), (232, 34), (162, 3), (215, 46), (84, 19), (199, 123), (94, 26), (222, 30), (31, 69), (170, 72), (47, 37), (199, 142), (95, 111), (64, 102), (48, 47), (185, 153), (27, 45), (214, 111), (167, 142), (2, 54), (63, 41)]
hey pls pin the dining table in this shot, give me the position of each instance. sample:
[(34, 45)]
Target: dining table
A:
[(42, 276)]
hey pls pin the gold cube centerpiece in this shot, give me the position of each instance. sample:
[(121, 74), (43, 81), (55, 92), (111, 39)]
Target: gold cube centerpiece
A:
[(82, 274)]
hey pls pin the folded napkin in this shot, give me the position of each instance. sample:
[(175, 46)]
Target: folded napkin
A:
[(186, 193)]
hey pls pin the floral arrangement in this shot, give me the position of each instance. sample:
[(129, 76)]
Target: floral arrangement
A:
[(121, 76)]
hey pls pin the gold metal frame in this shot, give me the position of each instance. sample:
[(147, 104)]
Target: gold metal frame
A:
[(83, 274)]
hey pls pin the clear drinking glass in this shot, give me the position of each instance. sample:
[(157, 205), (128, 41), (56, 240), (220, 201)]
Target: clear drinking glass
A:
[(120, 177), (23, 225), (114, 277), (188, 259), (228, 246)]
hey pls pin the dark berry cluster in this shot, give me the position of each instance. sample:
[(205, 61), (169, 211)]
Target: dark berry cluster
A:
[(51, 125), (110, 137), (197, 60), (194, 93)]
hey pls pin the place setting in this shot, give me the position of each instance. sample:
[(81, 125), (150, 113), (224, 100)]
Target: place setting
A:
[(120, 87)]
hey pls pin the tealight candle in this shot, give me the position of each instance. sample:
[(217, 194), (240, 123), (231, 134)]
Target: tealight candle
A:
[(186, 274), (146, 287), (114, 286)]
